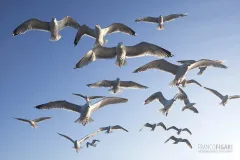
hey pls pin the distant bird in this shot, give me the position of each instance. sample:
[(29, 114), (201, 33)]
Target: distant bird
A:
[(77, 143), (88, 98), (54, 26), (33, 122), (99, 33), (178, 71), (116, 85), (166, 103), (110, 129), (191, 81), (93, 143), (153, 126), (85, 110), (223, 98), (177, 140), (179, 130), (122, 52), (201, 69), (161, 19)]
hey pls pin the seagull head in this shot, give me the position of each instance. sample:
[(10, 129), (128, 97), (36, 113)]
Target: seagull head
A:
[(54, 19), (98, 26), (120, 44)]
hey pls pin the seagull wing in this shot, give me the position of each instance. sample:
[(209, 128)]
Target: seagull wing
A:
[(88, 136), (41, 119), (119, 127), (162, 125), (87, 144), (181, 95), (147, 19), (23, 120), (187, 142), (84, 30), (68, 22), (31, 24), (80, 95), (103, 83), (147, 49), (172, 137), (214, 92), (187, 130), (173, 127), (187, 61), (234, 97), (159, 64), (172, 17), (202, 69), (118, 27), (103, 129), (131, 84), (95, 97), (94, 141), (66, 137), (207, 63), (193, 81), (146, 125), (194, 109), (157, 95)]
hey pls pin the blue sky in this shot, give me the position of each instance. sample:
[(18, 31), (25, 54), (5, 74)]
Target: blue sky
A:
[(35, 71)]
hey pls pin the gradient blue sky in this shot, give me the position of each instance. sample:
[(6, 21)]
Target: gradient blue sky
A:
[(35, 71)]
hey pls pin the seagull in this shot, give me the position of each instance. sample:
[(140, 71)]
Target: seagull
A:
[(53, 26), (191, 81), (201, 69), (116, 85), (121, 52), (33, 122), (110, 129), (93, 143), (85, 110), (161, 19), (166, 103), (179, 140), (99, 33), (153, 126), (222, 97), (77, 143), (88, 98), (178, 71), (179, 130)]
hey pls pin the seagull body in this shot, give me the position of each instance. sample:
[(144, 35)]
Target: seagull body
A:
[(87, 98), (191, 81), (222, 97), (153, 126), (99, 33), (122, 52), (178, 71), (179, 130), (53, 26), (166, 103), (116, 85), (93, 143), (161, 19), (85, 110), (33, 122), (177, 140), (110, 129), (77, 143)]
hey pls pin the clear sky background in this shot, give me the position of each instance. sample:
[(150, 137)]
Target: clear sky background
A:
[(35, 70)]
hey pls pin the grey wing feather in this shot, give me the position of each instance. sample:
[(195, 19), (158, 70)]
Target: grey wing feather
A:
[(68, 22), (103, 83), (214, 92), (157, 95), (172, 17), (41, 119), (181, 95), (207, 63), (131, 84), (146, 125), (23, 120), (88, 136), (234, 97), (172, 137), (193, 81), (194, 109), (118, 27), (185, 129), (66, 137), (173, 127), (147, 19), (119, 127), (187, 142), (94, 141), (95, 97), (103, 129), (161, 124), (187, 61), (84, 30), (80, 95)]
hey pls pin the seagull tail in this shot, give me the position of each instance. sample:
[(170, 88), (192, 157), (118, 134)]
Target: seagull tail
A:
[(56, 38), (173, 83), (160, 27), (114, 91), (78, 120), (121, 63), (90, 120), (163, 110)]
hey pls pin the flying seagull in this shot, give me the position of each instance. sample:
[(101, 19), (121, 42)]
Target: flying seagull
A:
[(179, 130), (77, 143), (166, 103), (53, 26), (161, 19), (153, 126), (85, 110), (99, 33), (122, 52), (191, 81), (222, 97), (33, 122), (110, 129), (93, 143), (116, 85), (177, 140), (178, 71), (88, 98)]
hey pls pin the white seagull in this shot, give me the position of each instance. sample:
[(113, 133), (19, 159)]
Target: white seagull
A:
[(166, 103), (33, 122), (85, 110), (153, 126), (99, 33), (87, 98), (177, 140), (110, 129), (77, 143), (93, 143), (222, 97), (179, 130), (161, 19), (122, 52), (116, 85), (178, 71), (53, 26)]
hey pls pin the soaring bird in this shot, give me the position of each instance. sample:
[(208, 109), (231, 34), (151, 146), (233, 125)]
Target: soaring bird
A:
[(99, 33), (177, 140), (77, 143), (88, 98), (178, 71), (33, 122), (161, 19), (93, 143), (53, 26), (85, 110), (191, 81), (166, 103), (222, 97), (116, 85), (153, 126), (179, 130), (109, 129), (122, 52)]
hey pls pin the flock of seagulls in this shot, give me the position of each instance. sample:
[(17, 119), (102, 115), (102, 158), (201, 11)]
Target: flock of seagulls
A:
[(121, 53)]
